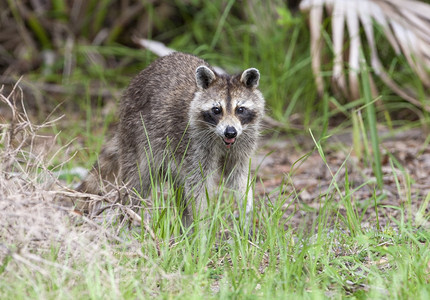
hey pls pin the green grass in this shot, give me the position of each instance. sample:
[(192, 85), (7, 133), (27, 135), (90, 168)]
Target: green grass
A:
[(331, 256), (325, 260)]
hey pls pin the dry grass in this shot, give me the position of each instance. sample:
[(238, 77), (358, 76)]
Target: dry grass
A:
[(402, 24), (37, 216)]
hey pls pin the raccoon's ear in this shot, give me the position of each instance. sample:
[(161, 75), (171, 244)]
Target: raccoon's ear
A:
[(250, 78), (204, 77)]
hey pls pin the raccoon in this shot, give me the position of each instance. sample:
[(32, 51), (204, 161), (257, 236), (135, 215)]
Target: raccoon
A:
[(180, 115)]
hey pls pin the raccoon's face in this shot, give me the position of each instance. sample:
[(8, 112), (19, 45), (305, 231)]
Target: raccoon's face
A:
[(231, 107)]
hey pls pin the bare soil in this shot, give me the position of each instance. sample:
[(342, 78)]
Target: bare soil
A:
[(309, 180)]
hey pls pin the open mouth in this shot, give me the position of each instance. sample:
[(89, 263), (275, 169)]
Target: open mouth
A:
[(229, 142)]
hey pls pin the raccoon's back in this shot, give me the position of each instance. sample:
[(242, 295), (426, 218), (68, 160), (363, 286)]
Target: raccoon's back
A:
[(156, 103), (166, 85)]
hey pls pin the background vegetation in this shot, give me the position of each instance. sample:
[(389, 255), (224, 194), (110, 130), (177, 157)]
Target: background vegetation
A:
[(75, 58)]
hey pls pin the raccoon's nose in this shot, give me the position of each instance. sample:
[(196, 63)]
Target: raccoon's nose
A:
[(230, 132)]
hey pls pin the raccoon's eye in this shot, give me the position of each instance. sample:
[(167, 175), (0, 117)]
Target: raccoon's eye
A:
[(216, 110), (240, 110)]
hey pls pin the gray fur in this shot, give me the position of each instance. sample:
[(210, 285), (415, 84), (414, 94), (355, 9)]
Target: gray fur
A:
[(162, 127)]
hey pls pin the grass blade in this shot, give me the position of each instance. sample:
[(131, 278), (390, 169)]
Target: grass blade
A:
[(372, 123)]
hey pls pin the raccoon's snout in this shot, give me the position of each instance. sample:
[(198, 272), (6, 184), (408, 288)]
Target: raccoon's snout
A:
[(230, 134)]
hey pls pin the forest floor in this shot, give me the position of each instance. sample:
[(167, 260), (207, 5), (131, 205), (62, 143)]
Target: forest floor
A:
[(405, 167)]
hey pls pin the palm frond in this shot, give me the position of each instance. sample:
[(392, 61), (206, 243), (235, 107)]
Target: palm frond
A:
[(405, 24)]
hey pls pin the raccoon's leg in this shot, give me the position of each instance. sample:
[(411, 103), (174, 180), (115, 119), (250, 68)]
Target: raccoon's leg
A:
[(194, 199), (196, 187), (103, 175), (136, 175), (237, 181)]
